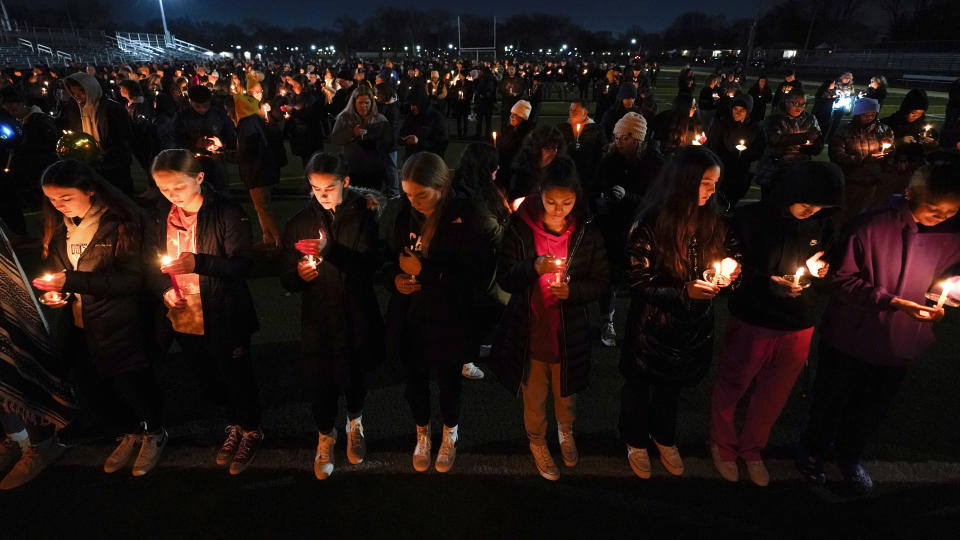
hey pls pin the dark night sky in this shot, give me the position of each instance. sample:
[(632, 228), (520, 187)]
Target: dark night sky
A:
[(614, 15)]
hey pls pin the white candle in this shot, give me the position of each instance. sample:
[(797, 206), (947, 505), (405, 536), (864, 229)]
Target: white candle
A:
[(796, 277), (54, 295), (494, 135), (559, 262), (944, 293), (716, 272), (741, 147)]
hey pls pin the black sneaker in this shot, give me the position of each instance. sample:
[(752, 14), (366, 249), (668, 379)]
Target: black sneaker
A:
[(857, 479), (249, 444), (230, 445), (810, 467)]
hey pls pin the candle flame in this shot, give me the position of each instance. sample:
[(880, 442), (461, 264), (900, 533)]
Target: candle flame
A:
[(165, 260), (800, 272), (48, 277)]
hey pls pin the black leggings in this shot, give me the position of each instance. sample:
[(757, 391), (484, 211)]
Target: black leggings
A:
[(648, 408), (225, 375), (326, 400), (450, 381)]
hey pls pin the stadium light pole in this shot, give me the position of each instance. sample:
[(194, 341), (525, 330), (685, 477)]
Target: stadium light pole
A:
[(166, 32)]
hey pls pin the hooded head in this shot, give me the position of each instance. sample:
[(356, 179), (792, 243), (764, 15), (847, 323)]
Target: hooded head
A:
[(745, 101), (813, 183), (627, 91), (84, 88), (915, 100)]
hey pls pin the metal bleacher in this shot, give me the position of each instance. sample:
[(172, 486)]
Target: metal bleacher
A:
[(22, 46)]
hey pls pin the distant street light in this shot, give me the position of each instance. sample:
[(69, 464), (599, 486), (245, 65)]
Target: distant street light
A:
[(633, 41)]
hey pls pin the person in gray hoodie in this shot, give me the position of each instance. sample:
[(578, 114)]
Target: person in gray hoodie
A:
[(106, 121)]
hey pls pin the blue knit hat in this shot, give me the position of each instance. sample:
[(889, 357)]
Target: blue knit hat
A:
[(627, 91), (865, 105)]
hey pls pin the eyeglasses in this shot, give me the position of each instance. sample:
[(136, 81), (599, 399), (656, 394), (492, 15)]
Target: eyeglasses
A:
[(797, 103)]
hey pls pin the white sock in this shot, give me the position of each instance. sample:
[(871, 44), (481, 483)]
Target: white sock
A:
[(451, 432)]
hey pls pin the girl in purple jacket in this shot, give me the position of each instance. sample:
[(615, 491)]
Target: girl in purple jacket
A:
[(878, 321)]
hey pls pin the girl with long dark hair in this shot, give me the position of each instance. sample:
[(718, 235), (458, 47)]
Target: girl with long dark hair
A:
[(476, 178), (204, 239), (94, 233), (331, 251), (680, 254), (438, 251), (553, 264)]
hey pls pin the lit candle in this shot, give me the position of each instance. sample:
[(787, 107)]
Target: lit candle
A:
[(579, 127), (716, 273), (165, 261), (796, 277), (944, 293), (559, 263), (884, 147), (494, 135), (54, 297), (741, 147)]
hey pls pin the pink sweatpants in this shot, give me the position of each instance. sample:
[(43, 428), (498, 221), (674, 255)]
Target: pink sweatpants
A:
[(774, 358)]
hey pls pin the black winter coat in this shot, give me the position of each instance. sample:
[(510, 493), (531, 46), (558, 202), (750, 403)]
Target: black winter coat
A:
[(615, 217), (223, 262), (774, 243), (430, 127), (432, 325), (785, 140), (587, 154), (589, 276), (109, 283), (669, 337), (341, 328), (254, 157), (853, 149)]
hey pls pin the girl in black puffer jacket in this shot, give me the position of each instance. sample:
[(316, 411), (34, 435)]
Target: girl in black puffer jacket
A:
[(553, 264), (94, 232), (205, 238), (676, 238), (330, 253)]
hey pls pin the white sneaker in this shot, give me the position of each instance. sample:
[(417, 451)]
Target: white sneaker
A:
[(122, 454), (639, 461), (356, 442), (472, 372), (608, 335), (758, 472), (151, 447), (323, 462), (421, 454), (448, 450), (544, 461), (568, 447), (670, 457)]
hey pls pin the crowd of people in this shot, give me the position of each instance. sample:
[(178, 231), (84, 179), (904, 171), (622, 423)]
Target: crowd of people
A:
[(502, 256)]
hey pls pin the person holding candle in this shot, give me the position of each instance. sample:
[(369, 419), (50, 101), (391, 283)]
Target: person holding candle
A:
[(677, 235), (863, 150), (738, 142), (367, 140), (553, 265), (586, 144), (762, 95), (427, 320), (677, 127), (914, 138), (772, 318), (341, 336), (790, 135), (626, 102), (95, 233), (878, 323), (208, 237)]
